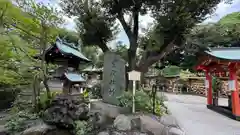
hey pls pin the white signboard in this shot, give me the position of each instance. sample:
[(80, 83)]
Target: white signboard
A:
[(231, 85), (206, 83), (134, 75)]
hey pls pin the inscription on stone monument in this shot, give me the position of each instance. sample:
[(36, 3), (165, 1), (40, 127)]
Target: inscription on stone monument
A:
[(113, 78)]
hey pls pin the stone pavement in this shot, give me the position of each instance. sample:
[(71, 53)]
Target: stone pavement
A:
[(194, 117)]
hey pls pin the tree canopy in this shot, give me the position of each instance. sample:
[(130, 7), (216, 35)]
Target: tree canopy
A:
[(224, 33), (97, 21)]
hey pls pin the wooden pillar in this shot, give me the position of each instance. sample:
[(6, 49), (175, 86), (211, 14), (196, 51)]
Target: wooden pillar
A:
[(233, 86), (209, 88)]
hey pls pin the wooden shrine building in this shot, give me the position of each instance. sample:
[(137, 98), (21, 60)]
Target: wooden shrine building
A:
[(222, 62), (68, 57)]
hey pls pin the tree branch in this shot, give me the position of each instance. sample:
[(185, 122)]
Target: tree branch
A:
[(25, 31), (103, 47), (145, 63), (126, 27)]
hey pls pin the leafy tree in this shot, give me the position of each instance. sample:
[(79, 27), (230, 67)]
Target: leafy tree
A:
[(69, 36), (96, 21), (121, 50), (92, 52), (35, 23), (224, 33), (13, 59), (47, 21)]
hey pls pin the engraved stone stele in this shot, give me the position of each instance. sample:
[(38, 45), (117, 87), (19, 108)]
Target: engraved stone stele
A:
[(114, 82)]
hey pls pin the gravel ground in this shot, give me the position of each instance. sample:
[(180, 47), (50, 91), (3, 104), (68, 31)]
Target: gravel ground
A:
[(194, 117)]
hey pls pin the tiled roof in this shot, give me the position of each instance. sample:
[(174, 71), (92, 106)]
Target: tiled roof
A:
[(69, 50), (231, 53), (74, 77)]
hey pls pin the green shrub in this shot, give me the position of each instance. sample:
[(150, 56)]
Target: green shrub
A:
[(95, 92), (19, 121), (82, 127), (143, 102), (44, 102)]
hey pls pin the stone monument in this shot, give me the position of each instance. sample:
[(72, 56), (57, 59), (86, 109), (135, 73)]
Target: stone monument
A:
[(114, 81)]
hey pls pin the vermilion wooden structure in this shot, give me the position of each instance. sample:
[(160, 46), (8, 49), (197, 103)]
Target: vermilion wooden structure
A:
[(221, 62)]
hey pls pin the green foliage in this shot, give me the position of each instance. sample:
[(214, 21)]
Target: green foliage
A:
[(96, 22), (82, 127), (19, 121), (230, 19), (170, 31), (95, 92), (143, 102), (45, 101), (94, 26), (69, 36), (224, 33), (122, 50), (216, 84), (92, 53), (171, 71)]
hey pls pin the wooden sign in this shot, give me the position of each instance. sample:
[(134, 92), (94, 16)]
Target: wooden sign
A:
[(134, 75), (231, 85), (206, 83)]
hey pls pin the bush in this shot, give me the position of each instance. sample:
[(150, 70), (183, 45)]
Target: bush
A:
[(143, 102), (44, 102), (82, 127), (95, 92), (20, 121)]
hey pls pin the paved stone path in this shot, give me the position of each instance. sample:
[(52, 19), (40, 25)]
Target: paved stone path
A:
[(194, 117)]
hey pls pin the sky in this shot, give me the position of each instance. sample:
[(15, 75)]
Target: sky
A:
[(221, 10)]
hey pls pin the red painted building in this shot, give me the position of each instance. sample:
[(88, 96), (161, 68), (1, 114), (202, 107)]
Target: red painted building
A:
[(222, 62)]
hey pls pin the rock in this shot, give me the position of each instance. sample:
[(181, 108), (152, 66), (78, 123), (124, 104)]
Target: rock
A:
[(118, 133), (58, 132), (31, 123), (169, 121), (109, 110), (176, 131), (44, 129), (136, 123), (122, 123), (152, 126), (64, 110), (100, 120), (3, 131), (103, 133), (38, 129), (138, 133)]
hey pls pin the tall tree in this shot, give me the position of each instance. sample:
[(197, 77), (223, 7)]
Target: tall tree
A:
[(174, 19)]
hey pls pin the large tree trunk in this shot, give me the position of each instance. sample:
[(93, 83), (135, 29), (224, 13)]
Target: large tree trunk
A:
[(131, 62), (132, 34)]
